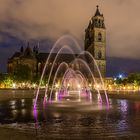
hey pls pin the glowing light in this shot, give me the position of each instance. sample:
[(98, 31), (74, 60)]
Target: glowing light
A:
[(14, 85), (79, 86), (115, 79), (128, 87), (56, 85), (120, 76), (89, 85), (98, 86), (68, 84)]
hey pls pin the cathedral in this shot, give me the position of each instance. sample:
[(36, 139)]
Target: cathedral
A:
[(95, 43)]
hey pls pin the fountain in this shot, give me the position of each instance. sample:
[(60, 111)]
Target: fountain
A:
[(77, 81)]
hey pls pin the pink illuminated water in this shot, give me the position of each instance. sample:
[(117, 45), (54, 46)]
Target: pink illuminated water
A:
[(73, 80)]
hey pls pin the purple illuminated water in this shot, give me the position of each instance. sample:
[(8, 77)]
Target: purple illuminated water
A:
[(70, 118), (73, 78)]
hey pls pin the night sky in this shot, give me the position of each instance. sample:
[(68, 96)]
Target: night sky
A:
[(47, 20)]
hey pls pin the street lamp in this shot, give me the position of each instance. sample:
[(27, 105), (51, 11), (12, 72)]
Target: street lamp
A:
[(120, 76)]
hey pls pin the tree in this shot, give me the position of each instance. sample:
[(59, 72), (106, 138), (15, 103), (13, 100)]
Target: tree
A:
[(134, 78), (22, 73), (124, 81), (6, 80)]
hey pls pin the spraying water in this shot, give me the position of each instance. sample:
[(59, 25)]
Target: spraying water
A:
[(74, 79)]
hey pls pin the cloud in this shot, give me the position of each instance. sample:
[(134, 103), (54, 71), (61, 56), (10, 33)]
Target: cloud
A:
[(50, 19)]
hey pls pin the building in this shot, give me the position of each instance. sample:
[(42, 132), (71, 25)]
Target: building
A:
[(35, 60), (95, 43), (25, 57)]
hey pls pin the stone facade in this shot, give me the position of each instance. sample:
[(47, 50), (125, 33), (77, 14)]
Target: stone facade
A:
[(35, 60), (95, 42), (25, 57)]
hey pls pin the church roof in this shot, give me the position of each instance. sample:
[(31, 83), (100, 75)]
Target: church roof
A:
[(62, 57), (16, 54)]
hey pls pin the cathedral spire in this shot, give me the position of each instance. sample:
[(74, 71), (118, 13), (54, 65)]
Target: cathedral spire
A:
[(97, 12)]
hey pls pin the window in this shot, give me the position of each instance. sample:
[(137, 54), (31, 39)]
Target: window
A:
[(99, 37), (99, 23), (99, 55)]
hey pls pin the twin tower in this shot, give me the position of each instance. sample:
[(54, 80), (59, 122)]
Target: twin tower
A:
[(95, 41)]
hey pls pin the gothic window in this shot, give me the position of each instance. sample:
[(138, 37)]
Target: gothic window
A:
[(99, 55), (99, 37), (96, 23)]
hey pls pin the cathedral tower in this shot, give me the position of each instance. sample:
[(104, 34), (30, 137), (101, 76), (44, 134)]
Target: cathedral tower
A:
[(95, 41)]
